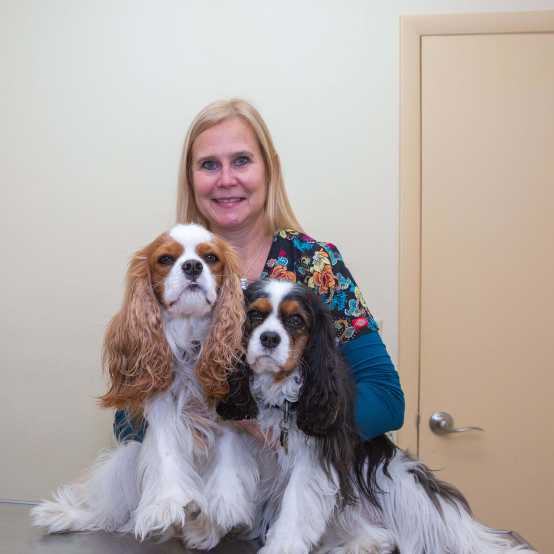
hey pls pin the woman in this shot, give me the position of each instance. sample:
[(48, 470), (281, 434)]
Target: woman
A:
[(230, 181)]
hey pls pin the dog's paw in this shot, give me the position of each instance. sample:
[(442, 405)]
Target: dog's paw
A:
[(201, 533), (159, 516), (284, 546), (229, 513), (57, 517), (377, 541), (366, 546), (67, 513)]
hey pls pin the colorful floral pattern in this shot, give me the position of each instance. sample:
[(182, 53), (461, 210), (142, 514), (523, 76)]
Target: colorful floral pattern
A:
[(299, 258)]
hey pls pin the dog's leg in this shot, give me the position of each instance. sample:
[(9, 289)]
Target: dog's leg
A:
[(167, 473), (356, 531), (102, 502), (230, 488), (308, 502)]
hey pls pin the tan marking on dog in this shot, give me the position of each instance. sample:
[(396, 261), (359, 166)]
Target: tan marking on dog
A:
[(217, 268), (262, 305), (164, 245), (298, 342), (289, 307)]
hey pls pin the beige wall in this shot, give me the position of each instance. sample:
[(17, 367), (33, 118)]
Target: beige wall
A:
[(95, 98)]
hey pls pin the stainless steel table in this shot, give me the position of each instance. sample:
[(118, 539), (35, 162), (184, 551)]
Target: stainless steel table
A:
[(18, 536)]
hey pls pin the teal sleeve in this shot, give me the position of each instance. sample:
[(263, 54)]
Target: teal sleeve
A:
[(126, 428), (379, 399)]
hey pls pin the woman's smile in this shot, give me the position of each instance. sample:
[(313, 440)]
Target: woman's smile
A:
[(227, 201)]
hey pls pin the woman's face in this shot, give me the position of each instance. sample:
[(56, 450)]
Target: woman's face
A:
[(229, 175)]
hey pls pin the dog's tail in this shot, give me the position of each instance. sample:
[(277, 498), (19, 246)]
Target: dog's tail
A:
[(430, 516), (370, 459)]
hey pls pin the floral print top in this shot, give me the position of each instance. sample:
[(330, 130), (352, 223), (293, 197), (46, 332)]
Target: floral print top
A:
[(299, 258)]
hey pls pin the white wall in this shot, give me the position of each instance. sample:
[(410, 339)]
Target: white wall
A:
[(95, 99)]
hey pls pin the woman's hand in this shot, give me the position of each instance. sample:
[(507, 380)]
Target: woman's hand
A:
[(253, 428)]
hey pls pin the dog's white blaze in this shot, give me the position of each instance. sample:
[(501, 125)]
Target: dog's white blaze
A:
[(259, 358), (198, 302), (190, 235), (277, 290)]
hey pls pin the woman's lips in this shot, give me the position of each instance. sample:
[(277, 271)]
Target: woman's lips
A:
[(227, 202)]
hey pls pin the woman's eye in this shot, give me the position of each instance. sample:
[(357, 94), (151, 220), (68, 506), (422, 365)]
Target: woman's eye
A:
[(295, 321), (209, 165), (166, 260), (211, 258), (242, 160)]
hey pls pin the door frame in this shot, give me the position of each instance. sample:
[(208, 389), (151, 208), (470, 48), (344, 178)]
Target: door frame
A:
[(412, 30)]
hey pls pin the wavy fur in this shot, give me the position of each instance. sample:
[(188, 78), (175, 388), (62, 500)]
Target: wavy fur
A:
[(136, 354), (223, 347)]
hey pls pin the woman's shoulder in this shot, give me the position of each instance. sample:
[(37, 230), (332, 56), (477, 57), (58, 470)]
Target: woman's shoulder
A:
[(297, 257), (302, 242), (299, 252), (294, 255)]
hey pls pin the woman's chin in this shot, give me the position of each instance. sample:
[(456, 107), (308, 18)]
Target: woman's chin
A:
[(230, 221)]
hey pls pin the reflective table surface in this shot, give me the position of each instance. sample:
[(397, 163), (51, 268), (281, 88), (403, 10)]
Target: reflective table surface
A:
[(18, 536)]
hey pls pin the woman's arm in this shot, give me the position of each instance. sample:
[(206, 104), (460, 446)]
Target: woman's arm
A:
[(379, 400), (126, 428)]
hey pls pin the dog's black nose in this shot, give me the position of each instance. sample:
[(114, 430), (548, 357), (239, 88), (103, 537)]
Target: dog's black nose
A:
[(192, 268), (269, 339)]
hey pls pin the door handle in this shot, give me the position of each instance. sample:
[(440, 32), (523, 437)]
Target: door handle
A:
[(442, 423)]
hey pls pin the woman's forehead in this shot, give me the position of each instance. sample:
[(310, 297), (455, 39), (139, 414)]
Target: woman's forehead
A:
[(229, 137)]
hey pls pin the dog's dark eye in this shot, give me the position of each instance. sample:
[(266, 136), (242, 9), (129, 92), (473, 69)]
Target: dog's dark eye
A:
[(295, 321), (211, 258), (255, 316), (166, 260)]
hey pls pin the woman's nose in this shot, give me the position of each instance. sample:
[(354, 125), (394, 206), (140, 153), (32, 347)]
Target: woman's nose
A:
[(227, 177)]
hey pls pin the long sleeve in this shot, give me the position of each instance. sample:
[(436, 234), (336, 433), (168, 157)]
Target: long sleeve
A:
[(379, 400), (126, 428)]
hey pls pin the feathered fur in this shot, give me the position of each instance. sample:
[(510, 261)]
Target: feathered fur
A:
[(331, 494), (177, 289), (136, 353), (223, 347)]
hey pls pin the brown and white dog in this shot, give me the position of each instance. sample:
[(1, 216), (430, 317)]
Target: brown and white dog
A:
[(181, 317)]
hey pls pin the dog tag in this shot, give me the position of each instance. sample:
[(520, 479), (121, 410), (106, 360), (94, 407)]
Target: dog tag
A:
[(285, 425), (284, 439)]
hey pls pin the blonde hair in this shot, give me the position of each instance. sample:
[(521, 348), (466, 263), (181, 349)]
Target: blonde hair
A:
[(278, 211)]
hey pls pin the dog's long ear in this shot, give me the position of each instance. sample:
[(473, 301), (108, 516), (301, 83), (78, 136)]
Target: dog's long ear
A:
[(325, 396), (240, 403), (136, 353), (223, 348)]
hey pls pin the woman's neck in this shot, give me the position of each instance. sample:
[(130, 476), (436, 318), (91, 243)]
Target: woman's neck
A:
[(244, 239), (248, 241)]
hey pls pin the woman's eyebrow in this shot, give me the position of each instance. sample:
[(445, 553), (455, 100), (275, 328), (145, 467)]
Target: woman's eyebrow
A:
[(246, 153), (204, 159), (231, 156)]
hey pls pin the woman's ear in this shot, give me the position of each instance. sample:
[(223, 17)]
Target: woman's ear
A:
[(323, 399), (136, 353), (223, 348)]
